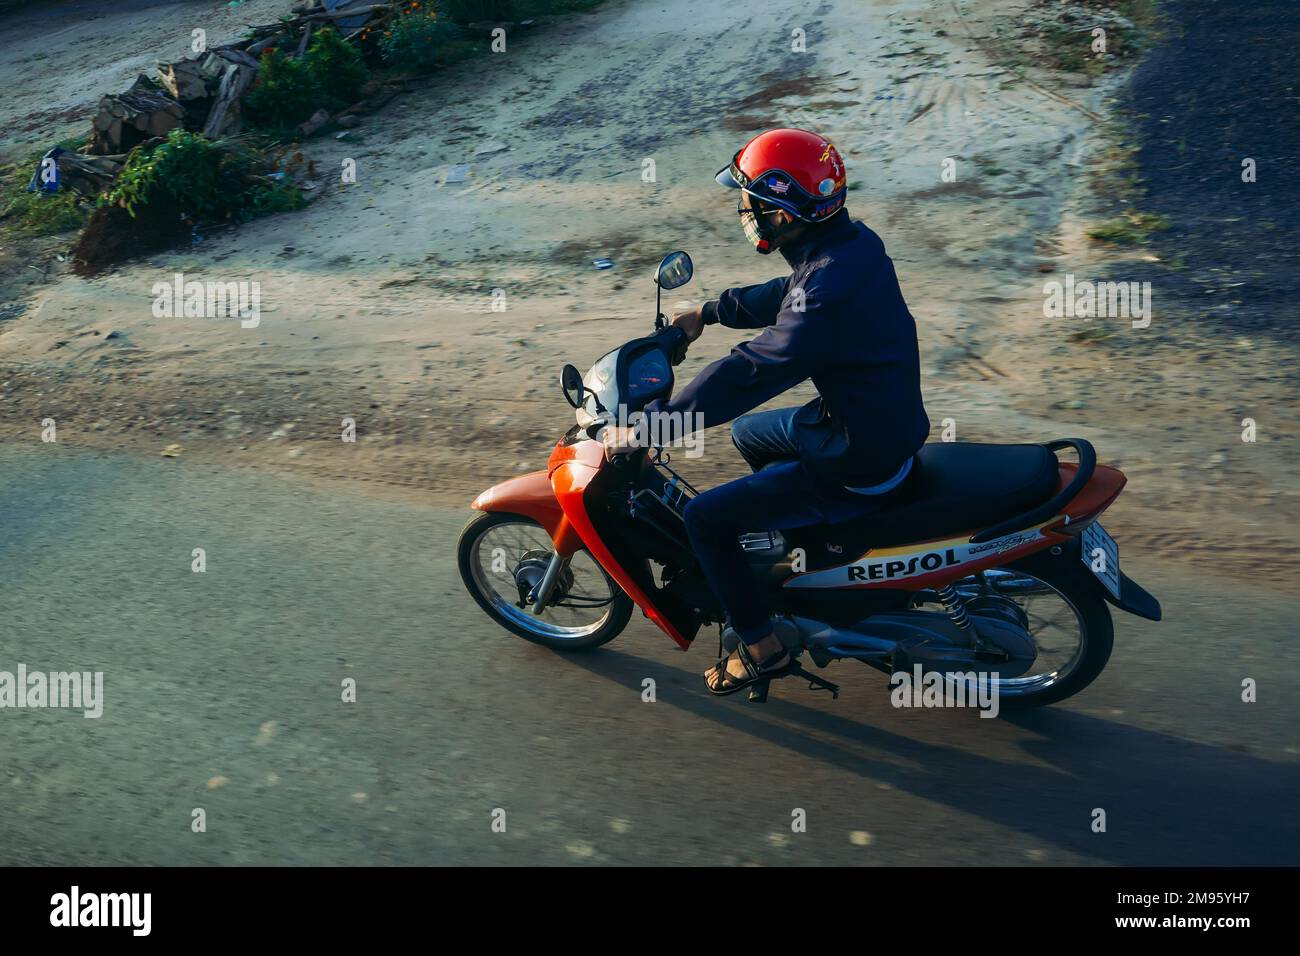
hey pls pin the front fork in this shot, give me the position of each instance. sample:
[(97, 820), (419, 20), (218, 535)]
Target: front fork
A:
[(540, 596)]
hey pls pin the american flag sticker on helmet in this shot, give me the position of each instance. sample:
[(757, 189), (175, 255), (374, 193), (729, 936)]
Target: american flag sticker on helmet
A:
[(778, 186)]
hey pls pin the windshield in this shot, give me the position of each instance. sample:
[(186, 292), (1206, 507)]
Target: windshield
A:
[(600, 385)]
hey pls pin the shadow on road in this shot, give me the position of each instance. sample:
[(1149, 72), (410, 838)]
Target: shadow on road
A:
[(1168, 801)]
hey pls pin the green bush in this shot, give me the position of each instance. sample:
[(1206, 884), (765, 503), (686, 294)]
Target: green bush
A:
[(1133, 228), (336, 67), (209, 182), (184, 168), (418, 40), (289, 90), (284, 94)]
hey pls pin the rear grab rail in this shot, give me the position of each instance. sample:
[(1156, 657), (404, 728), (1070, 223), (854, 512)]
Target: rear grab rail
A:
[(1052, 507)]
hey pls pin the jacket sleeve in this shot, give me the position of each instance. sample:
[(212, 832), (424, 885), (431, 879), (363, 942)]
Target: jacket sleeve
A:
[(791, 349), (748, 307)]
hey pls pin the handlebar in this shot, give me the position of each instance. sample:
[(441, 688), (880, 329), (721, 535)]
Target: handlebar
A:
[(679, 343)]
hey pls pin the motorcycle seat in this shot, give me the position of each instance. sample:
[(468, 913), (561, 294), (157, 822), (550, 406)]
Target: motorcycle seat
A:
[(954, 487)]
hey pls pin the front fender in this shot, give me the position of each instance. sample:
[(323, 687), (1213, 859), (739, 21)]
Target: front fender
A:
[(531, 495)]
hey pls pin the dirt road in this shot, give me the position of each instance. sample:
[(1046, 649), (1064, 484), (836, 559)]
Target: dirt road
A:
[(222, 691), (378, 300)]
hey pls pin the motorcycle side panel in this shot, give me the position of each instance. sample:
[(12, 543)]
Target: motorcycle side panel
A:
[(932, 564), (573, 469)]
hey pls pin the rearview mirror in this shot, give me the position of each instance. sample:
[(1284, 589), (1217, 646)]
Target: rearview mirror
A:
[(571, 384), (674, 271)]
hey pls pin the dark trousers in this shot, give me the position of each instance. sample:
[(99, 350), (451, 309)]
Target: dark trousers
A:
[(781, 494)]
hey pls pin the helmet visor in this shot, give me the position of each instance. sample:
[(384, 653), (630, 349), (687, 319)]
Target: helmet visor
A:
[(731, 175)]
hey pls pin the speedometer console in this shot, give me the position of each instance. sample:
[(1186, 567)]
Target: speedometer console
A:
[(631, 376)]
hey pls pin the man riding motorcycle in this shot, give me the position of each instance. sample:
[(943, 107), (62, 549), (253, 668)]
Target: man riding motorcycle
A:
[(838, 319)]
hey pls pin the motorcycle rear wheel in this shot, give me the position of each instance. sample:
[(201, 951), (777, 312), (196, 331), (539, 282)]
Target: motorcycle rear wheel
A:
[(1066, 591), (491, 546)]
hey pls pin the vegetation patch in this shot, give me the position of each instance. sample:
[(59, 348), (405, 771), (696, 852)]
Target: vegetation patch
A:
[(420, 39), (288, 89), (1133, 228), (26, 215), (1094, 36), (1086, 38), (167, 190)]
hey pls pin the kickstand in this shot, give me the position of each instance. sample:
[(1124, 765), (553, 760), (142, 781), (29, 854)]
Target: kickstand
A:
[(815, 682), (758, 691)]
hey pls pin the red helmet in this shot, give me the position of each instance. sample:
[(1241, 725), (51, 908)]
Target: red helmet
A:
[(794, 169)]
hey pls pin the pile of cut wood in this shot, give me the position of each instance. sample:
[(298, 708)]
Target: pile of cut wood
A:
[(204, 93)]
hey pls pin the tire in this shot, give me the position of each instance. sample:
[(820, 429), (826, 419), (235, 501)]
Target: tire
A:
[(1097, 632), (517, 621)]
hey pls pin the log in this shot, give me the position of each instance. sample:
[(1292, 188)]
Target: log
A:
[(255, 49), (87, 175), (160, 124), (185, 80), (318, 119), (225, 116), (236, 55), (122, 120)]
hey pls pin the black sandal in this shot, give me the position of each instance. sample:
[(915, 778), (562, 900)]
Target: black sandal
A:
[(730, 684)]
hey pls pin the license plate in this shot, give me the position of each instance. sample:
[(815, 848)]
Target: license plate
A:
[(1101, 555)]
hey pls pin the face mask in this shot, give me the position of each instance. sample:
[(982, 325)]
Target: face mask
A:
[(758, 228)]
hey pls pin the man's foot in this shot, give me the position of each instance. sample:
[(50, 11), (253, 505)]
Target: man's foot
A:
[(731, 674)]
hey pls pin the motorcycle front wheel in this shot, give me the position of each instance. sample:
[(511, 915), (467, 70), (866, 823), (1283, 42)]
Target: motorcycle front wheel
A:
[(500, 553)]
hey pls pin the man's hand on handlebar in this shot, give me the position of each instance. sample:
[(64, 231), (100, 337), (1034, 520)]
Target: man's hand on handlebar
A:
[(618, 441), (691, 322)]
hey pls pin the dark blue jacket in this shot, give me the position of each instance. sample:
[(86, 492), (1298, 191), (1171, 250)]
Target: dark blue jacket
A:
[(840, 320)]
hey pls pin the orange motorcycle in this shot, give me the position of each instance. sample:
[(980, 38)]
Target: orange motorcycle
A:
[(990, 561)]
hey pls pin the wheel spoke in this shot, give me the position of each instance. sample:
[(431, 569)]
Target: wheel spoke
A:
[(557, 622), (1054, 624)]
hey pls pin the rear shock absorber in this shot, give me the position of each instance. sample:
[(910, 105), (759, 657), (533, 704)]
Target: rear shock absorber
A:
[(955, 606), (956, 610)]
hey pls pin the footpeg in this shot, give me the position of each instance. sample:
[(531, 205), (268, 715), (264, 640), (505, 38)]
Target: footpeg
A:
[(814, 681), (758, 691)]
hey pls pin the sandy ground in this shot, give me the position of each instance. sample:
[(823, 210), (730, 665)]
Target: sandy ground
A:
[(378, 299)]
